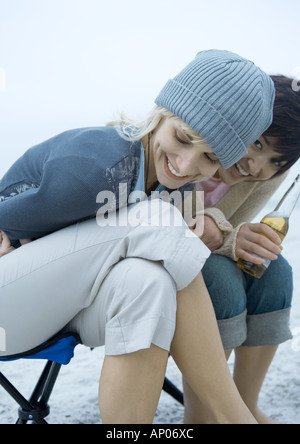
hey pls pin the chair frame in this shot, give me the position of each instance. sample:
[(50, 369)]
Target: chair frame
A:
[(36, 409)]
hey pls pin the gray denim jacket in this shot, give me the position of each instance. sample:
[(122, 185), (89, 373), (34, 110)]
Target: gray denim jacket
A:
[(56, 183)]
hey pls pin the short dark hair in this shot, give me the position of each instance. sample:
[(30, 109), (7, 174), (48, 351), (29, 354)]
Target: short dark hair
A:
[(285, 128)]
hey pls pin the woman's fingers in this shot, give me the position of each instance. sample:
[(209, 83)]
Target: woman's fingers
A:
[(5, 244), (260, 240)]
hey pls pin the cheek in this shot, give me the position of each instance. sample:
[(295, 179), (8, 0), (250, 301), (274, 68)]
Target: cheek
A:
[(268, 172), (162, 145), (227, 177), (208, 169)]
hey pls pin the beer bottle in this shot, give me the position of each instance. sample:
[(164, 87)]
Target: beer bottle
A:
[(278, 220)]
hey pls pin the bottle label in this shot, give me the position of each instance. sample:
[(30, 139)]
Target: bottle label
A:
[(267, 261)]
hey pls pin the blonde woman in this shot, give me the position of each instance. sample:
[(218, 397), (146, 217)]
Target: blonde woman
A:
[(132, 281)]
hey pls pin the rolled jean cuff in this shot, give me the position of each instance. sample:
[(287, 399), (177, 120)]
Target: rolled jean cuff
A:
[(268, 328), (256, 330), (233, 331)]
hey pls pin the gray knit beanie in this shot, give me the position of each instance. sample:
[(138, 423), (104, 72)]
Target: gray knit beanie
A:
[(223, 97)]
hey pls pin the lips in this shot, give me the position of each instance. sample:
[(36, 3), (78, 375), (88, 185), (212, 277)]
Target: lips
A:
[(171, 172), (239, 170)]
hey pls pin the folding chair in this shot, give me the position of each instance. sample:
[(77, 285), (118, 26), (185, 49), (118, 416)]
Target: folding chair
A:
[(57, 351)]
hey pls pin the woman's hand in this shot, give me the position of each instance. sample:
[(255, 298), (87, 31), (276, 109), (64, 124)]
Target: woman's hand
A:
[(205, 228), (5, 245), (259, 239)]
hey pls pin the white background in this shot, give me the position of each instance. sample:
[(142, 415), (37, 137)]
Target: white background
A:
[(74, 63)]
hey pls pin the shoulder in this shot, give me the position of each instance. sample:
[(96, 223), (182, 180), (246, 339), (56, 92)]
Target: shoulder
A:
[(95, 142), (269, 186), (116, 159), (245, 189)]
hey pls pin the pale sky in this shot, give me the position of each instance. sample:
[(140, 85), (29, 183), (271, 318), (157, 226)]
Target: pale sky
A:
[(73, 63)]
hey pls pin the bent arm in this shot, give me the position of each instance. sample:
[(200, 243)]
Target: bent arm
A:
[(239, 206), (67, 194)]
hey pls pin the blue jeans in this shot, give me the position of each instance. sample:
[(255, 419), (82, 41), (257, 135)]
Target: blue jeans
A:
[(250, 312)]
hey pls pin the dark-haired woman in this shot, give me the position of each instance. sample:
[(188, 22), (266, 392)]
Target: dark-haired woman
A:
[(253, 315)]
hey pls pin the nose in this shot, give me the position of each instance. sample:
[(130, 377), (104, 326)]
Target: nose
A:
[(256, 164), (185, 164)]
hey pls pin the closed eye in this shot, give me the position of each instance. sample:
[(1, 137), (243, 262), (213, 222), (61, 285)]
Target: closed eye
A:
[(213, 159), (181, 139)]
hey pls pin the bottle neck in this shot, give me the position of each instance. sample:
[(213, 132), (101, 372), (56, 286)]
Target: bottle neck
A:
[(289, 200)]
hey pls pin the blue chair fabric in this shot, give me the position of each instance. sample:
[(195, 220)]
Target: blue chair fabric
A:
[(58, 349)]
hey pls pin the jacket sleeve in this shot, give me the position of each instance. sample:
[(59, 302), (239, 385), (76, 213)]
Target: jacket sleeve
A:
[(67, 193)]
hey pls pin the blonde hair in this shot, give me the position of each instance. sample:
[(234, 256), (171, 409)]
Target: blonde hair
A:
[(134, 130)]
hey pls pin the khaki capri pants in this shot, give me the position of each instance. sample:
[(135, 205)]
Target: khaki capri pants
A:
[(114, 286)]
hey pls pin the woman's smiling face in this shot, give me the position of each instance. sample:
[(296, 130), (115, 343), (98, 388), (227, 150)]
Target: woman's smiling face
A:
[(177, 157), (261, 163)]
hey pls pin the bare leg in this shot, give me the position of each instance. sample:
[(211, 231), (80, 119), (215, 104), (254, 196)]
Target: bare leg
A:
[(194, 410), (130, 386), (251, 367), (197, 350)]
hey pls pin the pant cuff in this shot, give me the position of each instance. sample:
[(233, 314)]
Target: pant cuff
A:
[(121, 340), (233, 331), (268, 328)]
